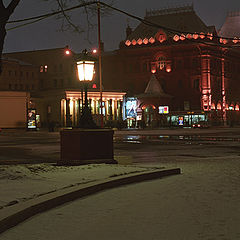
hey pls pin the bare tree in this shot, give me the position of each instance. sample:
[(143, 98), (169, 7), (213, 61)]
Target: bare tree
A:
[(5, 13)]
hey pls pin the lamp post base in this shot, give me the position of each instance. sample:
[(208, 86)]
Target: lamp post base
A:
[(86, 121), (86, 146)]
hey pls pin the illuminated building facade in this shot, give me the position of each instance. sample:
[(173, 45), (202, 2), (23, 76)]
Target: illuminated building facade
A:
[(199, 69), (57, 95)]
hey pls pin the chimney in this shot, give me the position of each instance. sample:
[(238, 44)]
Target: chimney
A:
[(128, 31)]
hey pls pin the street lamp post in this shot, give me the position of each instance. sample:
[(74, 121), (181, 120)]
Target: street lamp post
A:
[(85, 69)]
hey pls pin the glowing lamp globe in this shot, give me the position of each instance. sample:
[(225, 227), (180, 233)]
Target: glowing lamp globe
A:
[(85, 70), (67, 52)]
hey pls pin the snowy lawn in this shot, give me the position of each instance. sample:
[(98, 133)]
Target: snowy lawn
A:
[(28, 181)]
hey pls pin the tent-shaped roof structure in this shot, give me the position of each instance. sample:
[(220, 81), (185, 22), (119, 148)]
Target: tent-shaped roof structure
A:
[(154, 89), (231, 26)]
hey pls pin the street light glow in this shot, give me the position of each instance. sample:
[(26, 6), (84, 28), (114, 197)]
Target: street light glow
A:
[(85, 70)]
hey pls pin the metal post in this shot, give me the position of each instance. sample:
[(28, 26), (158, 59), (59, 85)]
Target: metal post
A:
[(100, 61), (86, 98)]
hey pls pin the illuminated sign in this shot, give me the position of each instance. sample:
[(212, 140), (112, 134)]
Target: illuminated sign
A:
[(31, 124), (131, 108), (139, 117), (163, 109), (180, 121)]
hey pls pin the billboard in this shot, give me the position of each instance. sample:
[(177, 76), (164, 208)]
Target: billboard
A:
[(31, 119), (131, 108), (163, 109)]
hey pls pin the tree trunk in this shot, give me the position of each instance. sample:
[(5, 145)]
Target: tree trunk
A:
[(5, 13)]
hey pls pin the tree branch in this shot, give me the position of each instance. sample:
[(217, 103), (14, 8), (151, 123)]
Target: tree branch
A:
[(5, 13), (12, 5), (1, 5)]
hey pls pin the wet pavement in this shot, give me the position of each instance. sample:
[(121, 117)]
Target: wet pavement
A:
[(139, 146)]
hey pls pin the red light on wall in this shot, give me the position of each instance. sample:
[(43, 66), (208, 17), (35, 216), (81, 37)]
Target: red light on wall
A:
[(176, 38), (145, 41), (128, 43), (202, 35), (139, 41), (222, 40), (210, 36), (195, 36), (151, 40), (168, 69), (182, 37), (134, 42), (94, 85), (225, 41), (153, 67), (235, 40)]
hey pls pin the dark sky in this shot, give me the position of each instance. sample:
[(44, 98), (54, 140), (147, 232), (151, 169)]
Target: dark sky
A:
[(45, 34)]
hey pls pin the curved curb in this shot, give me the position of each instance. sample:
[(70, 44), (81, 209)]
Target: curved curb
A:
[(22, 215)]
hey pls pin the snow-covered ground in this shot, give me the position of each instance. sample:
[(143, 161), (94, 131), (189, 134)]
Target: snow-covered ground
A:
[(25, 182), (202, 203)]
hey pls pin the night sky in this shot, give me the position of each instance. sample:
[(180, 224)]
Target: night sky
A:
[(46, 34)]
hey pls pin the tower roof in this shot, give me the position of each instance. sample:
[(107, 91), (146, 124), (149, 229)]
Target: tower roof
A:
[(154, 87), (231, 26)]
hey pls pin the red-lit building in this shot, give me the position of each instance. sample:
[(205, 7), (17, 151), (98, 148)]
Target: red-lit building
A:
[(197, 70)]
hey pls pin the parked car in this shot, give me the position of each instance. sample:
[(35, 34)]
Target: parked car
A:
[(201, 124)]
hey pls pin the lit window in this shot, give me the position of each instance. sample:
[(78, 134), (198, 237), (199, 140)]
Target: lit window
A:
[(161, 62), (41, 69)]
